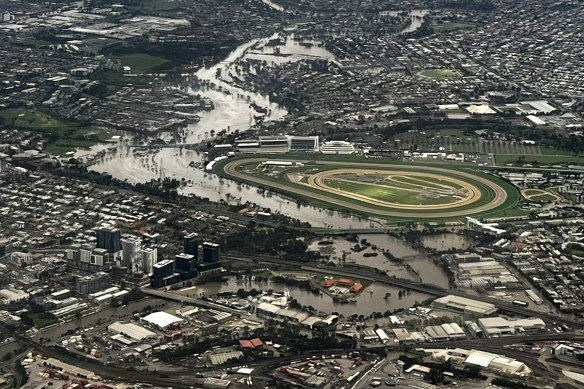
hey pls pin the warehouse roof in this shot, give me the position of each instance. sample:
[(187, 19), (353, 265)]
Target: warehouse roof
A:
[(133, 331), (465, 305), (221, 358), (161, 319)]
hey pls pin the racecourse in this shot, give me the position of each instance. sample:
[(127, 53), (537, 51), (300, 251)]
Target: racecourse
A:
[(481, 194), (471, 193)]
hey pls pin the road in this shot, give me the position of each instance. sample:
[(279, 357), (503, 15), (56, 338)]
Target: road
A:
[(192, 300), (403, 283)]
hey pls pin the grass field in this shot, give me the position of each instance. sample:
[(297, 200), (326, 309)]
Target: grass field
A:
[(66, 136), (503, 147), (141, 63), (450, 26), (540, 159), (28, 119), (540, 195), (483, 194), (398, 189), (440, 73), (450, 140)]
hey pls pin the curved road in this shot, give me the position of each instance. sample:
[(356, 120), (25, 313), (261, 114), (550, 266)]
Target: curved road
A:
[(500, 194)]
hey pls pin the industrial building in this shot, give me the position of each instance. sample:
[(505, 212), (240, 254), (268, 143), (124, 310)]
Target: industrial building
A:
[(499, 326), (160, 320), (132, 331), (464, 305), (486, 272), (495, 362), (445, 331)]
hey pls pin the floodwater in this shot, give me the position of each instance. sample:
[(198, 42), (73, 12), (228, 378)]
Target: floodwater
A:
[(273, 5), (422, 268), (232, 111), (416, 19), (368, 301), (446, 241), (129, 163)]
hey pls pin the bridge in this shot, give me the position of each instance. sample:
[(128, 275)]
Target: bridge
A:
[(192, 300)]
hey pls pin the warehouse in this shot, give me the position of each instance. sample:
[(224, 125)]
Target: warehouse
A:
[(495, 362), (453, 331), (498, 326), (160, 320), (464, 305), (436, 333), (131, 331)]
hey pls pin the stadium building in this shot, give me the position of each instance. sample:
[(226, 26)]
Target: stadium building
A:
[(337, 147), (303, 143), (273, 144)]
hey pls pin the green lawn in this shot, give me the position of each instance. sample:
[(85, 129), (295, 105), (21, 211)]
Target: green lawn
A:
[(531, 192), (67, 136), (141, 63), (543, 198), (28, 119), (540, 159), (392, 195), (441, 73)]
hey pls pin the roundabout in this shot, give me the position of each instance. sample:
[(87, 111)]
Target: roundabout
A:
[(391, 190)]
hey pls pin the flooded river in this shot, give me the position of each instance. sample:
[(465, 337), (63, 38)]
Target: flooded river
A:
[(232, 111)]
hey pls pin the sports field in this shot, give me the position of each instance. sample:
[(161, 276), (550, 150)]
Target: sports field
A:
[(393, 189)]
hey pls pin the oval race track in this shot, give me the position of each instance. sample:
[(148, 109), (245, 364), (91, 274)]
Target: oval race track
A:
[(371, 206)]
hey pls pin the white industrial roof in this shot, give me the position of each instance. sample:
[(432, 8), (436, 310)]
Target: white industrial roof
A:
[(131, 330), (161, 319), (480, 359), (466, 304)]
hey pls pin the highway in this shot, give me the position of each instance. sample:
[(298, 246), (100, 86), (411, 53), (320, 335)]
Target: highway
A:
[(192, 300), (383, 277)]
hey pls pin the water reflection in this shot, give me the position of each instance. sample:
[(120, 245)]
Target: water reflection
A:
[(369, 301)]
